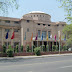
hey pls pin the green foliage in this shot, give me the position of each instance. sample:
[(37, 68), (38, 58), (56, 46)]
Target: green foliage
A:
[(47, 48), (21, 48), (17, 48), (30, 50), (68, 31), (56, 48), (33, 47), (4, 49), (53, 47), (64, 48), (9, 52), (67, 5), (43, 47), (5, 4), (27, 48), (37, 51)]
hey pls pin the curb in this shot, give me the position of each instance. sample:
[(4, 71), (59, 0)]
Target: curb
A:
[(32, 57)]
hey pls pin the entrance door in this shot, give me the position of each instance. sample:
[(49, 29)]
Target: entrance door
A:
[(45, 43)]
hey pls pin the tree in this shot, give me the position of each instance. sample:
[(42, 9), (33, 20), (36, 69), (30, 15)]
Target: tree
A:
[(6, 4), (67, 5), (68, 31)]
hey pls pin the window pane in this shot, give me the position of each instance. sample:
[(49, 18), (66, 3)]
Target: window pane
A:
[(49, 33), (28, 21), (6, 43), (44, 34), (7, 21), (27, 29), (39, 33), (15, 30), (7, 30)]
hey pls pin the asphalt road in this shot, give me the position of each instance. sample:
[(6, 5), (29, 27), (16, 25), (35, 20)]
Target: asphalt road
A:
[(47, 64)]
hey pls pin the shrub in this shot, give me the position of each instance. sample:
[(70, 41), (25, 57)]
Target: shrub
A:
[(33, 47), (43, 47), (30, 50), (37, 51), (21, 48), (9, 52), (56, 48), (4, 49), (27, 48), (53, 47), (17, 48), (64, 48), (47, 48)]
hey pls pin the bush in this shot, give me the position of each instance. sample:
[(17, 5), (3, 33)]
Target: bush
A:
[(64, 48), (43, 47), (30, 50), (37, 51), (47, 48), (9, 52), (56, 48), (33, 47), (53, 47), (21, 48), (27, 48), (17, 48), (4, 49)]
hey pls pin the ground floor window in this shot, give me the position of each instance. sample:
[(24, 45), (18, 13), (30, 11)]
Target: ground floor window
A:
[(6, 43), (16, 43)]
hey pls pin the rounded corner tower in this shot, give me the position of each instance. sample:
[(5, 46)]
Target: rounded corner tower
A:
[(38, 15)]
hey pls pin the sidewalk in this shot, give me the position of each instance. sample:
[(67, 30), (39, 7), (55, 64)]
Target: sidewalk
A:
[(32, 57)]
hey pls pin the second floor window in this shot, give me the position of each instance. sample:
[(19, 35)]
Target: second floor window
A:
[(44, 34), (28, 21), (7, 21), (17, 22), (49, 33), (7, 30), (15, 30), (39, 33)]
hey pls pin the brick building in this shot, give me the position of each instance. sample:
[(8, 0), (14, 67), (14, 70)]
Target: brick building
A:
[(35, 22)]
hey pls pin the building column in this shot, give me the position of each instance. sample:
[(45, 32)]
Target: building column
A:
[(22, 37), (11, 36), (2, 36)]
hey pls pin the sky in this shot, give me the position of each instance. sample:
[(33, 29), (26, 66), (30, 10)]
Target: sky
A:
[(50, 7)]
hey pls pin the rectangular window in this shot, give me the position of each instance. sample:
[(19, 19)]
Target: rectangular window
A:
[(44, 34), (15, 30), (7, 21), (17, 22), (38, 24), (7, 30), (6, 43), (16, 43), (28, 21), (49, 33), (27, 29), (43, 24), (49, 25), (39, 33)]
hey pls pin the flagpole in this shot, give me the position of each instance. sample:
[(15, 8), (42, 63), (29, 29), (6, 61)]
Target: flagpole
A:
[(32, 45), (37, 43), (56, 44), (59, 47), (7, 43), (47, 44)]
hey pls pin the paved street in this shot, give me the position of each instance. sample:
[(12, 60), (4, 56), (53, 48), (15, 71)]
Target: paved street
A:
[(47, 64)]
